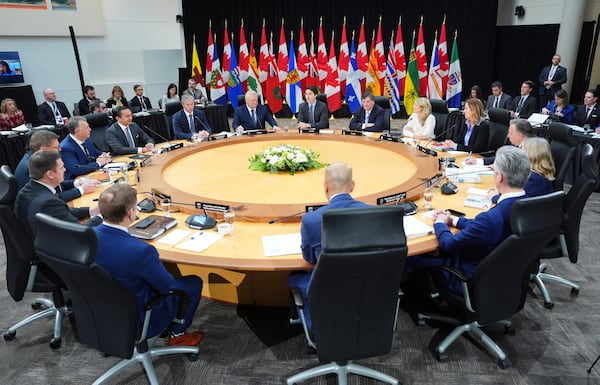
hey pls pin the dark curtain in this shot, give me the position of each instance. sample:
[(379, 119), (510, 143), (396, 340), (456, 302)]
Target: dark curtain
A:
[(475, 21)]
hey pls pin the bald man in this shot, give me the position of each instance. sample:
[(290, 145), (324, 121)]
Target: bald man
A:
[(338, 185), (52, 111)]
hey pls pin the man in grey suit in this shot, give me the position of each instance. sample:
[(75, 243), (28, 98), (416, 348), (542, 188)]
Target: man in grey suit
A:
[(551, 79), (125, 137), (498, 99), (313, 113)]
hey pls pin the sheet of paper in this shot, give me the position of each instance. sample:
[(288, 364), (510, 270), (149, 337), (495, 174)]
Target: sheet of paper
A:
[(173, 237), (415, 228), (477, 191), (284, 244), (200, 241), (326, 131)]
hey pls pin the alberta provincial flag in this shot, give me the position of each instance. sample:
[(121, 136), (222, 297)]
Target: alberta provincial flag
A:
[(454, 93), (293, 94), (235, 81)]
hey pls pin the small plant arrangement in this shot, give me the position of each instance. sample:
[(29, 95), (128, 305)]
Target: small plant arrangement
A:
[(286, 158)]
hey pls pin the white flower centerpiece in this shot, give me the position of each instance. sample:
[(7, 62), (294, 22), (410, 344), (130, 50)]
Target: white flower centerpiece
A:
[(285, 157)]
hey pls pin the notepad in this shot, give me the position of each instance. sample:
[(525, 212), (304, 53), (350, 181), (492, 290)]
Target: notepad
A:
[(283, 244), (200, 241), (415, 228)]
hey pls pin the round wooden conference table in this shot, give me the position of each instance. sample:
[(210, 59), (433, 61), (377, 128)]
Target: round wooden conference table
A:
[(235, 268)]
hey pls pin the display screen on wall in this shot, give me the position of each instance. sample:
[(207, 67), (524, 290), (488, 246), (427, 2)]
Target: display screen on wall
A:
[(10, 68)]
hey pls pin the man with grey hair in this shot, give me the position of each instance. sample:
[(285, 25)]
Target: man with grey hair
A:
[(189, 123), (79, 154), (479, 236), (253, 116), (519, 131), (338, 186)]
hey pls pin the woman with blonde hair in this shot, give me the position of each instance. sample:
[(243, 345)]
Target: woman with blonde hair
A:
[(10, 115), (542, 167), (117, 98), (474, 134), (421, 123)]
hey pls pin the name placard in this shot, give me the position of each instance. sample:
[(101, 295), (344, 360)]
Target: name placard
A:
[(310, 208), (390, 138), (310, 130), (211, 207), (391, 198), (352, 132), (428, 151)]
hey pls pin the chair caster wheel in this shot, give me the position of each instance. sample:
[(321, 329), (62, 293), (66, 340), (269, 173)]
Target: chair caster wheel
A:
[(441, 357), (192, 356), (55, 343), (510, 330), (548, 305), (9, 336), (503, 364), (574, 291), (36, 305)]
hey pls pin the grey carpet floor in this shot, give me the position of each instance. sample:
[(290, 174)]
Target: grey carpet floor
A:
[(245, 345)]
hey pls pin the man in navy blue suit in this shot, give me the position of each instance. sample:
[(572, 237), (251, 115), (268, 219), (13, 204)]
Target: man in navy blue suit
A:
[(252, 116), (137, 266), (369, 117), (338, 186), (313, 113), (551, 80), (479, 236), (189, 123), (79, 154)]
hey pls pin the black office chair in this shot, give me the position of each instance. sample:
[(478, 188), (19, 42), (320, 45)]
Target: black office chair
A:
[(105, 310), (354, 290), (439, 109), (241, 100), (563, 151), (453, 127), (99, 124), (24, 272), (498, 288), (499, 122), (384, 102), (170, 110), (566, 244)]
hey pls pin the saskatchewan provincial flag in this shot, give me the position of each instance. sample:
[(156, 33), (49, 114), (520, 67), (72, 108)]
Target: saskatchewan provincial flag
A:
[(411, 93)]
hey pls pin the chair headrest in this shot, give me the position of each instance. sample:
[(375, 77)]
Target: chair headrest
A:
[(8, 186), (499, 115), (438, 106), (589, 166), (560, 132), (382, 101), (172, 107), (363, 228), (546, 210), (97, 120)]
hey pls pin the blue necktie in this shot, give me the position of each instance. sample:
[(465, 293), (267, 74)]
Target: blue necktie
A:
[(191, 122)]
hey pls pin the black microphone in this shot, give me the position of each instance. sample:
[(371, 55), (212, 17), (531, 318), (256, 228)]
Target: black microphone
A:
[(207, 129), (286, 217), (170, 146)]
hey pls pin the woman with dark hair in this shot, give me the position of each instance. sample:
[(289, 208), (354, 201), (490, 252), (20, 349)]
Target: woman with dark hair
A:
[(475, 132), (559, 109), (170, 96), (5, 68), (476, 94), (10, 115), (117, 98)]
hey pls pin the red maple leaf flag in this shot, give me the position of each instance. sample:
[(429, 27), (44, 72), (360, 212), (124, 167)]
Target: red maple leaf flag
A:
[(443, 58), (322, 58), (362, 57), (226, 57), (244, 57), (263, 60), (282, 59), (209, 56), (380, 55), (332, 83), (421, 60), (344, 58), (400, 58)]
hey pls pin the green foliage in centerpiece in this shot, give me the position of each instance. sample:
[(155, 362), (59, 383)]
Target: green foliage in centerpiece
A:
[(285, 157)]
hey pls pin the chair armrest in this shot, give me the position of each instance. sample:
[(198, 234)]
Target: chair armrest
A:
[(453, 271), (298, 300), (181, 303)]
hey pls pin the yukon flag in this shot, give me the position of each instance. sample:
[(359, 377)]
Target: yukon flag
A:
[(421, 61), (373, 84), (322, 58), (353, 94), (302, 57), (282, 59), (234, 83), (244, 57), (362, 57), (344, 60), (312, 77), (434, 88), (272, 85), (253, 76), (454, 93), (391, 79), (210, 50), (411, 90), (293, 91), (400, 58), (443, 58), (332, 83), (263, 62), (226, 56), (217, 85)]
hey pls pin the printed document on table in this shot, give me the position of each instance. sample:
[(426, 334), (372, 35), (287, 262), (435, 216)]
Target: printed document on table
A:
[(200, 241), (284, 244), (414, 228), (174, 237)]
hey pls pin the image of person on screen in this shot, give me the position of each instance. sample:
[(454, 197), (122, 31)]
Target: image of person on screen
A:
[(5, 69)]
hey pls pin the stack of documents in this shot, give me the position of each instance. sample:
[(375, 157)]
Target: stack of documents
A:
[(477, 197)]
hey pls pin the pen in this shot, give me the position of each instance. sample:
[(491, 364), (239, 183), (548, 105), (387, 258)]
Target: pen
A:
[(197, 235), (469, 156)]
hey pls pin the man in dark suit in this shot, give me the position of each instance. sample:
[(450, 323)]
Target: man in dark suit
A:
[(137, 266), (90, 96), (498, 99), (338, 186), (189, 123), (38, 196), (78, 153), (313, 113), (525, 104), (52, 111), (477, 237), (139, 102), (48, 141), (589, 112), (369, 117), (551, 80), (252, 116), (125, 137)]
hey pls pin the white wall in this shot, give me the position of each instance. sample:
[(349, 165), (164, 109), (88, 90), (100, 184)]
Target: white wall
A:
[(141, 43)]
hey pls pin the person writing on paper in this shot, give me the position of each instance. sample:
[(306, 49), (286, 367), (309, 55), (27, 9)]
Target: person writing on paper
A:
[(79, 154), (421, 122), (477, 237), (519, 130), (137, 266), (253, 116), (189, 123), (369, 117), (338, 186), (313, 113), (10, 115), (559, 109), (475, 132)]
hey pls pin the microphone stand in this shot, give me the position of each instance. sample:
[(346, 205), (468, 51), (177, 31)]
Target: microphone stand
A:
[(272, 221), (170, 146)]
